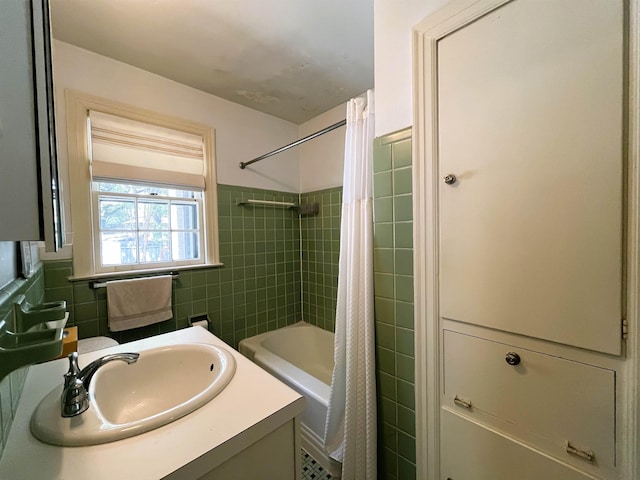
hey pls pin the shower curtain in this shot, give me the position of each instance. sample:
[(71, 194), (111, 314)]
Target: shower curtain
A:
[(350, 432)]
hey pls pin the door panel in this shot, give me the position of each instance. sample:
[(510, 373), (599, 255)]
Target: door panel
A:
[(531, 124)]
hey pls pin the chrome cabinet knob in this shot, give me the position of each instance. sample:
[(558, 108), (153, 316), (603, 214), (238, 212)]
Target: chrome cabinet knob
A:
[(512, 358), (450, 179)]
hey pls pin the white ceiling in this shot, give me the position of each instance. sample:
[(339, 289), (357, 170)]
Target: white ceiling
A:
[(293, 59)]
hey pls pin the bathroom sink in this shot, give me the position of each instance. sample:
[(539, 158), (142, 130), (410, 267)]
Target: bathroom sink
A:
[(165, 384)]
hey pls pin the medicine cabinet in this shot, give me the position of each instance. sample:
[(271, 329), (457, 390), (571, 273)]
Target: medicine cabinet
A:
[(29, 199)]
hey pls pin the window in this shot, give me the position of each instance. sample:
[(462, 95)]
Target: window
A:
[(143, 192), (146, 226)]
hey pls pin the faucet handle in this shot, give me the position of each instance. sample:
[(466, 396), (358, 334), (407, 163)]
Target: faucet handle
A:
[(74, 369), (75, 399)]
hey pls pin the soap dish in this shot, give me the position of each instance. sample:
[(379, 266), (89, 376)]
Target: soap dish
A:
[(19, 349), (28, 316)]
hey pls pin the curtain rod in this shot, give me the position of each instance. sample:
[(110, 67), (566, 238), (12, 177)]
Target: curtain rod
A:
[(243, 165)]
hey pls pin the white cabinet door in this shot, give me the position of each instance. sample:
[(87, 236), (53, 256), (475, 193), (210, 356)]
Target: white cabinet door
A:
[(545, 400), (28, 168), (471, 452), (530, 122), (19, 185)]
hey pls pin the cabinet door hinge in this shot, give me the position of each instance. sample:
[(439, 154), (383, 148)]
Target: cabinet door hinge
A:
[(625, 328)]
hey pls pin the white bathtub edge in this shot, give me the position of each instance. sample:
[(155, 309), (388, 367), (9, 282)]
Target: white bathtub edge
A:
[(272, 363)]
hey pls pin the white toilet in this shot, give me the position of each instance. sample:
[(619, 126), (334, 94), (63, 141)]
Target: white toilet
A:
[(91, 344)]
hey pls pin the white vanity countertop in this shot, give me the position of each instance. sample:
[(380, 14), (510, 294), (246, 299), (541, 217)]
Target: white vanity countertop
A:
[(252, 405)]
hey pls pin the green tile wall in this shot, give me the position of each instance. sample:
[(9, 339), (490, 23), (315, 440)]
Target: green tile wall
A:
[(393, 284), (11, 385), (260, 247), (258, 289), (320, 235)]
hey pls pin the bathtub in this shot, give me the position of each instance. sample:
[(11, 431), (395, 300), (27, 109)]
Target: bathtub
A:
[(301, 355)]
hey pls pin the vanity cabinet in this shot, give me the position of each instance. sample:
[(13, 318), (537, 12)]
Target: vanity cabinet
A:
[(240, 434), (276, 453), (29, 202)]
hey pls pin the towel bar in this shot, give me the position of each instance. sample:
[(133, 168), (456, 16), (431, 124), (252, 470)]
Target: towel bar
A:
[(103, 284)]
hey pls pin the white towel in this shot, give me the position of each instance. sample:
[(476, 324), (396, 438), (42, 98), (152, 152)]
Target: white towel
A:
[(138, 302)]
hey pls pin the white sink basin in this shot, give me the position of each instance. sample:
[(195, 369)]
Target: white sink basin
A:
[(166, 383)]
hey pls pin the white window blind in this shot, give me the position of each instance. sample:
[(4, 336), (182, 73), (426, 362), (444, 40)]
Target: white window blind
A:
[(124, 149)]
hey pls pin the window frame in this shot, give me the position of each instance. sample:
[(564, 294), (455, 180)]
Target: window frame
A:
[(86, 263)]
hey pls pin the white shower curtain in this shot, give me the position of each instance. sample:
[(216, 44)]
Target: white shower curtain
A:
[(350, 433)]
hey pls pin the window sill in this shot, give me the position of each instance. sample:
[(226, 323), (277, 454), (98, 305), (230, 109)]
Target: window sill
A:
[(135, 273)]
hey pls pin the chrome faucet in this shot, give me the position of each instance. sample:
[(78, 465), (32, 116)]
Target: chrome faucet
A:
[(75, 394)]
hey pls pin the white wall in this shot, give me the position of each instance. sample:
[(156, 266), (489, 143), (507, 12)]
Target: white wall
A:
[(322, 159), (241, 133), (393, 21)]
